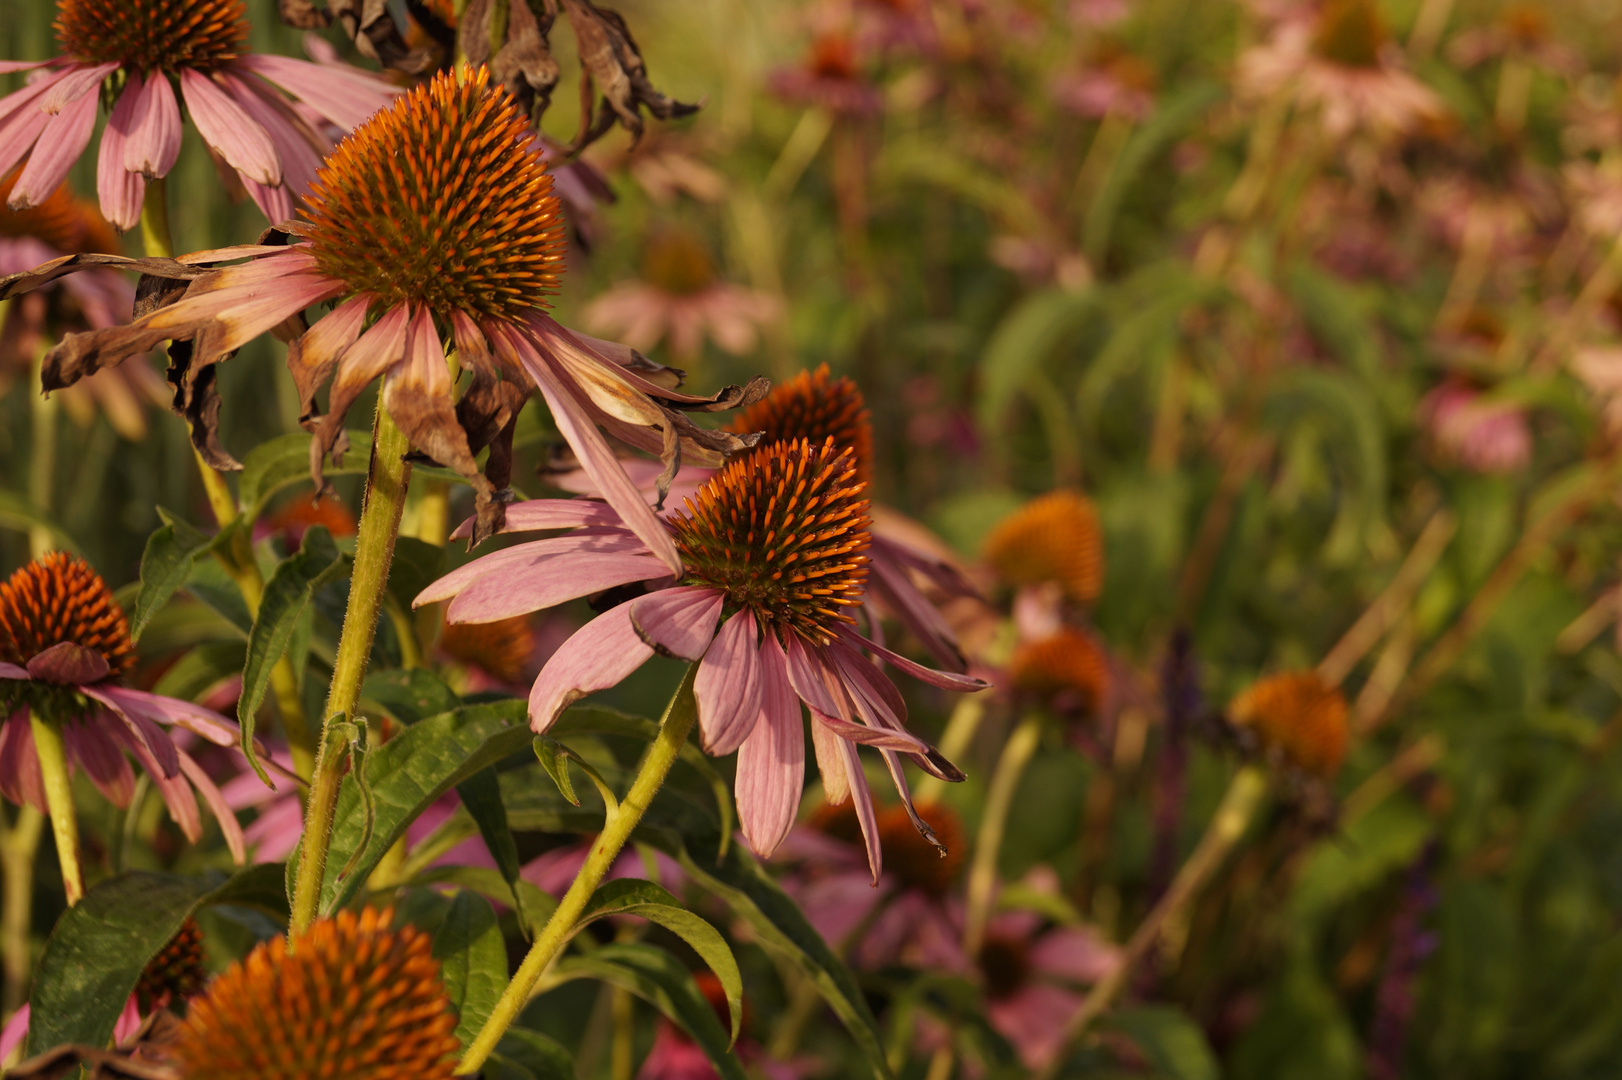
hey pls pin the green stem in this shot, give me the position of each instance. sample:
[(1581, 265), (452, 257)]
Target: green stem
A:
[(386, 485), (18, 846), (53, 767), (1231, 820), (661, 755), (961, 727), (155, 236), (42, 466), (1016, 754)]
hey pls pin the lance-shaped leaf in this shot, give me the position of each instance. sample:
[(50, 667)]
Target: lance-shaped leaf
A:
[(472, 961), (647, 900), (410, 696), (528, 1055), (285, 461), (481, 796), (286, 595), (659, 979), (99, 947), (538, 905), (166, 564)]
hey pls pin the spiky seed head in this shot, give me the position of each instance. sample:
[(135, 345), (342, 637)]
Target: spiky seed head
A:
[(677, 261), (1299, 716), (784, 533), (153, 35), (176, 973), (817, 407), (57, 598), (1054, 537), (351, 999), (442, 200), (1066, 663), (912, 858)]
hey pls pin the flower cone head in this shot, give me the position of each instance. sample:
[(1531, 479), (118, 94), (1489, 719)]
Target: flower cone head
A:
[(931, 868), (351, 999), (1066, 664), (676, 261), (1350, 33), (814, 407), (1054, 537), (441, 200), (501, 648), (66, 225), (59, 598), (1005, 963), (784, 533), (176, 973), (1298, 715), (153, 35)]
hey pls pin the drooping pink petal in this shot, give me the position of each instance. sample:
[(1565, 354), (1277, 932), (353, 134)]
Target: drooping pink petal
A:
[(74, 85), (139, 731), (6, 68), (12, 671), (223, 124), (21, 120), (342, 96), (830, 753), (679, 622), (102, 759), (1076, 953), (728, 686), (882, 738), (61, 141), (209, 724), (174, 787), (945, 679), (771, 761), (862, 800), (595, 455), (504, 561), (274, 200), (68, 663), (548, 514), (276, 831), (153, 129), (300, 158), (598, 656), (553, 581), (16, 1029), (20, 779), (254, 310), (120, 191), (806, 675), (216, 804), (896, 592), (370, 356)]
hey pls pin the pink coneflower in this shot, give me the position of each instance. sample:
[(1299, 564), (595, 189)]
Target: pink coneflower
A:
[(1484, 436), (680, 298), (777, 544), (433, 223), (142, 50), (64, 644), (1115, 83), (830, 77)]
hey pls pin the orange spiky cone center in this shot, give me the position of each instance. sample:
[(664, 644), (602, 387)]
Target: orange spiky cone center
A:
[(1299, 716), (153, 35), (441, 200), (1067, 663), (1350, 33), (784, 533), (1054, 537), (60, 598), (66, 225), (912, 858), (816, 407), (176, 973), (676, 261), (351, 998)]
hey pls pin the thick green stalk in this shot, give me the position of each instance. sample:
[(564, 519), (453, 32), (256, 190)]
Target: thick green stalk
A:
[(155, 236), (53, 767), (18, 846), (1016, 754), (42, 466), (386, 485), (621, 821)]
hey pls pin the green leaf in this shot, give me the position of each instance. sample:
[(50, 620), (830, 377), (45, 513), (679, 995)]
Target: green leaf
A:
[(417, 564), (406, 775), (19, 513), (284, 461), (1171, 1040), (286, 595), (538, 905), (98, 948), (481, 795), (166, 564), (646, 900), (202, 667), (1025, 338), (659, 979), (554, 758), (528, 1055), (472, 961), (411, 695)]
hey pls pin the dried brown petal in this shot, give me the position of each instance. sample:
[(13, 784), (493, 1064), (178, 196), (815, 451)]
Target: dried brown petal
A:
[(612, 61), (367, 23)]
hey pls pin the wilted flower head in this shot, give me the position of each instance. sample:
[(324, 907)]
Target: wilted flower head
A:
[(350, 997), (1297, 716), (1054, 537), (434, 223), (141, 51), (64, 644)]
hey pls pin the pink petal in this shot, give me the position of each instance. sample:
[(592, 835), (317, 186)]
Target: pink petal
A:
[(549, 514), (882, 738), (596, 458), (244, 145), (300, 159), (217, 806), (830, 753), (1074, 952), (74, 85), (276, 831), (598, 656), (595, 541), (20, 779), (140, 731), (944, 679), (103, 760), (60, 143), (895, 590), (1033, 1019), (862, 800), (343, 96), (274, 200), (152, 130), (18, 133), (12, 671), (16, 1029), (6, 68), (370, 356), (68, 664), (771, 761), (252, 310), (120, 191), (176, 791), (167, 710), (548, 581), (728, 686), (679, 622)]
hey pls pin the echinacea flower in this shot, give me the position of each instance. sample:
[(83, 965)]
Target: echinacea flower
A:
[(830, 77), (64, 644), (95, 297), (142, 51), (1067, 668), (1298, 717), (775, 550), (433, 224), (1053, 538), (350, 997), (1482, 435)]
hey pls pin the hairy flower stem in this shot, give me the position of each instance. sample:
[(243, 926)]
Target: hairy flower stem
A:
[(53, 767), (1016, 754), (386, 483), (1232, 818), (19, 843), (621, 821)]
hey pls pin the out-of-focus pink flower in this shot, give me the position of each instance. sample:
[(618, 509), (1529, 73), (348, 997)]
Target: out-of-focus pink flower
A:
[(1484, 436), (143, 52), (554, 871), (1120, 84), (680, 298), (1521, 32), (784, 644), (674, 1056), (830, 76)]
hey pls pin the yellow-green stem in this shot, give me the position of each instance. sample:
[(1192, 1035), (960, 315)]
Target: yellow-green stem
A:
[(622, 820), (1232, 818), (622, 1051), (42, 463), (1016, 754), (386, 484), (961, 727), (18, 846), (53, 768), (155, 235)]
